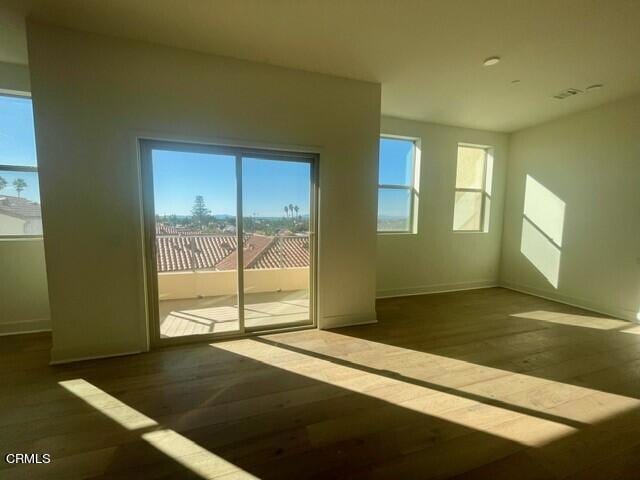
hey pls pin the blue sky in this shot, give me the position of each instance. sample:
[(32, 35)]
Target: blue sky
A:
[(267, 185), (395, 161), (17, 144), (395, 168)]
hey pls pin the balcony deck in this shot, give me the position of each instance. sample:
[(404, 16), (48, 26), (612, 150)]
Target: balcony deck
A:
[(219, 314)]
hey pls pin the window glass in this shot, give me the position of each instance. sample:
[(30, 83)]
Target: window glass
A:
[(467, 212), (473, 189), (397, 191), (396, 162), (470, 170), (19, 193), (394, 210), (17, 138), (19, 203)]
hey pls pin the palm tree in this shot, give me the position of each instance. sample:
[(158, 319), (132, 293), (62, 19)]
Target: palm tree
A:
[(3, 183), (296, 208), (286, 211), (291, 209), (19, 184)]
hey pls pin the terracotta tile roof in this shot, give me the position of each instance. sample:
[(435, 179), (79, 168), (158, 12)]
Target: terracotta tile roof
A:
[(285, 252), (19, 207), (218, 252), (164, 229), (254, 246), (176, 253)]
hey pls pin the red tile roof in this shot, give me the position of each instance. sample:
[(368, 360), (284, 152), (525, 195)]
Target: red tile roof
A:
[(254, 246), (19, 207), (218, 252), (175, 253), (164, 229), (286, 252)]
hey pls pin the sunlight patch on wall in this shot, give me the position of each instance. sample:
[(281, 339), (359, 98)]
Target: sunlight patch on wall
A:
[(543, 254), (192, 456), (108, 405), (542, 229), (544, 209)]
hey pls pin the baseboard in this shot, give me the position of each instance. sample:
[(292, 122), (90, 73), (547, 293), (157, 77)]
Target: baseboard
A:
[(93, 357), (622, 314), (25, 326), (439, 288), (339, 321)]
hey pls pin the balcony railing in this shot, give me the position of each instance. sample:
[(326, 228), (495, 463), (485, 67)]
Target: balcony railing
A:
[(212, 283)]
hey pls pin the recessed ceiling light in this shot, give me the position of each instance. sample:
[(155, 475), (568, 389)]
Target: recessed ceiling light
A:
[(597, 86), (491, 61)]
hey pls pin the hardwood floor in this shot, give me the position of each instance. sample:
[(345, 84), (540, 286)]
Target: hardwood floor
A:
[(480, 384)]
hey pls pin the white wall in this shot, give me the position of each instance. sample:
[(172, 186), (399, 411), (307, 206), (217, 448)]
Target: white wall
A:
[(437, 258), (584, 192), (92, 94), (24, 304)]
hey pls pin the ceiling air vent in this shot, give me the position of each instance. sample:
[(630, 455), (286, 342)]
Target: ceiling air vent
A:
[(569, 92)]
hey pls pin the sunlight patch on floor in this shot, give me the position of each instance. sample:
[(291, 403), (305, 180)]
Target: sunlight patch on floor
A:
[(108, 405), (632, 329), (600, 323), (523, 392), (192, 456), (184, 451)]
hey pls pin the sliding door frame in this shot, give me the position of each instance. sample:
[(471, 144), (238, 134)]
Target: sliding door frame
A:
[(146, 147)]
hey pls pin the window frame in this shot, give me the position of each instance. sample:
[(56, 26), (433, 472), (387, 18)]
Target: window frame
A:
[(20, 168), (411, 187), (483, 191)]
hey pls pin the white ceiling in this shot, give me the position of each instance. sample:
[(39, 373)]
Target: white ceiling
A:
[(427, 54)]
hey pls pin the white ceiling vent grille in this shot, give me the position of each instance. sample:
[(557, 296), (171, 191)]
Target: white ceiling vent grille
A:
[(569, 92)]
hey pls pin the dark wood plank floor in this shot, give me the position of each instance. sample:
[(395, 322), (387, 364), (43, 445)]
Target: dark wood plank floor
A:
[(480, 384)]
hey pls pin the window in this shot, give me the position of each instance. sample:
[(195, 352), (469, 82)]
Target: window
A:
[(473, 189), (19, 193), (397, 185)]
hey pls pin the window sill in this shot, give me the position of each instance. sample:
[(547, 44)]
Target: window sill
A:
[(15, 238), (396, 233)]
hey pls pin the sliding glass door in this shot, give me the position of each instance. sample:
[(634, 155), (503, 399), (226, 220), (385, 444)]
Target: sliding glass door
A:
[(201, 203), (276, 206)]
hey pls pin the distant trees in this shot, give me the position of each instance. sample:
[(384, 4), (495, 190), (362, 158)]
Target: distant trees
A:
[(19, 184), (200, 211), (289, 209), (201, 220), (293, 221)]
